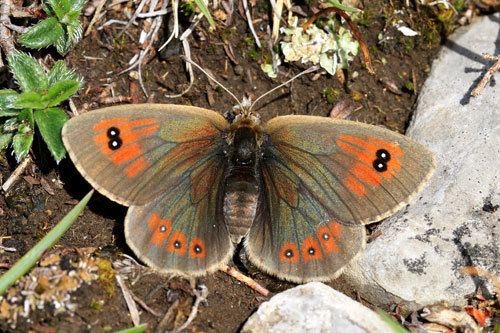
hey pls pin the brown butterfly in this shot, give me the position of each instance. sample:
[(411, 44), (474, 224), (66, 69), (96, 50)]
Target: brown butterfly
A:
[(298, 189)]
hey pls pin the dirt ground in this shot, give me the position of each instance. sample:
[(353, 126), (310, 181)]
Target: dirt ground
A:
[(47, 191)]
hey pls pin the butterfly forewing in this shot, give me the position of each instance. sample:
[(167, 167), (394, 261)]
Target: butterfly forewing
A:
[(167, 163), (129, 153), (322, 179)]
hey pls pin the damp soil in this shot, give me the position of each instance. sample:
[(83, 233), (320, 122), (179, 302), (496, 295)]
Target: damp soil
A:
[(46, 191)]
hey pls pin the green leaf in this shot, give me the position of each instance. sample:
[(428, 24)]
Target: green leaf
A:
[(60, 7), (75, 31), (5, 140), (63, 44), (21, 142), (78, 5), (203, 8), (30, 99), (59, 72), (50, 123), (26, 117), (7, 100), (10, 125), (27, 71), (393, 324), (23, 265), (61, 91), (338, 5), (42, 34)]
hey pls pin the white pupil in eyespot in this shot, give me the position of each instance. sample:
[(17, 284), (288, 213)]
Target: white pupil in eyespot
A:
[(163, 228), (383, 155), (380, 165), (114, 143)]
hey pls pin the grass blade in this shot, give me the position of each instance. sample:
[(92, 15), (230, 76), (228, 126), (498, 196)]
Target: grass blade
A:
[(203, 8), (24, 264), (137, 329)]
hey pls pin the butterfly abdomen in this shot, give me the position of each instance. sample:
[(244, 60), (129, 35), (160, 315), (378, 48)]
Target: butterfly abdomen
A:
[(241, 190)]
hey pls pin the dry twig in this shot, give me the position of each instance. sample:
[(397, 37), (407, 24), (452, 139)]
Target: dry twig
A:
[(492, 70), (201, 295), (132, 307), (17, 172), (246, 280)]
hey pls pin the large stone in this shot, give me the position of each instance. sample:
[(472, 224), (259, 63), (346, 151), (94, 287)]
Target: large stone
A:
[(314, 307), (420, 255)]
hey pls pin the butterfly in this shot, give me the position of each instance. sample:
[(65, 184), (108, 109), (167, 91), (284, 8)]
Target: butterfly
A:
[(297, 190)]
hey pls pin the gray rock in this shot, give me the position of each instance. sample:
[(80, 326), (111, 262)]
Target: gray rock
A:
[(314, 307), (419, 257)]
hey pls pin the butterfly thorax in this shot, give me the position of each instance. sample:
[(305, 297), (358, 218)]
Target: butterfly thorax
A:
[(241, 182)]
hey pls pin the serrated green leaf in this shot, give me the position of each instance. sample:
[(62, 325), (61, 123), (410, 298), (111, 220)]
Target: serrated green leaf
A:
[(61, 91), (42, 34), (60, 7), (5, 140), (7, 99), (50, 123), (63, 44), (59, 72), (78, 5), (21, 144), (10, 125), (203, 8), (26, 118), (27, 71), (75, 31), (30, 99)]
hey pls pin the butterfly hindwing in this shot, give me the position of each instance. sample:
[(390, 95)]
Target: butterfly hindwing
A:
[(130, 152), (322, 180), (183, 230), (167, 163)]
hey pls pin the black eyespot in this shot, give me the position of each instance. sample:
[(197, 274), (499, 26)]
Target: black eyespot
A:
[(113, 132), (326, 236), (114, 144), (379, 165), (289, 253), (177, 244), (197, 248), (311, 251), (383, 155), (163, 228)]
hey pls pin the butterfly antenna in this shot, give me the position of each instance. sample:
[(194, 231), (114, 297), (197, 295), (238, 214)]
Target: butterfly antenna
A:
[(211, 78), (309, 70)]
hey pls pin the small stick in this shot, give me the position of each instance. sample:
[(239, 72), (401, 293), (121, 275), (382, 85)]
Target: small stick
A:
[(16, 174), (201, 295), (484, 81), (168, 316), (6, 41), (95, 17), (250, 23), (354, 29), (132, 307), (144, 305), (246, 280)]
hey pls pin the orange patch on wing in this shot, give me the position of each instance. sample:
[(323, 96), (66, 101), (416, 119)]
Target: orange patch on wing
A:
[(107, 123), (197, 248), (135, 168), (310, 249), (126, 153), (354, 185), (366, 174), (160, 229), (358, 154), (335, 228), (129, 136), (392, 148), (289, 253), (177, 243), (327, 241)]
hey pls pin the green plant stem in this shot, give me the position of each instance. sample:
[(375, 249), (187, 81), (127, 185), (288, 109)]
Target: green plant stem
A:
[(23, 265), (137, 329)]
